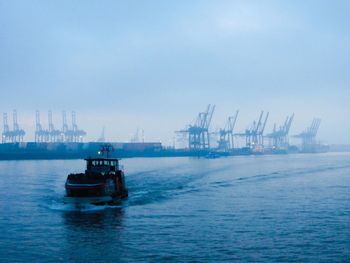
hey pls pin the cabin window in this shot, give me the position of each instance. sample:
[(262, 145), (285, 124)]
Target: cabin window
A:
[(112, 163), (97, 162)]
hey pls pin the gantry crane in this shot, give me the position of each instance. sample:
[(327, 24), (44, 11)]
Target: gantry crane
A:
[(17, 133), (308, 137), (6, 134), (279, 137), (41, 135), (254, 135), (54, 134), (198, 132), (226, 135)]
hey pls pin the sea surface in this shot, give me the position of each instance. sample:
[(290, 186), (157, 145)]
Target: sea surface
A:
[(282, 208)]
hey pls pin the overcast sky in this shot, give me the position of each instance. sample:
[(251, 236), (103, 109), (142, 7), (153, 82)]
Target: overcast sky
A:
[(155, 64)]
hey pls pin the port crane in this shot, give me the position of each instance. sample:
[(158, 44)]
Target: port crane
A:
[(47, 135), (226, 135), (17, 134), (198, 132), (54, 134), (308, 137), (41, 135), (74, 134), (254, 136), (6, 134), (77, 134), (279, 137), (14, 136)]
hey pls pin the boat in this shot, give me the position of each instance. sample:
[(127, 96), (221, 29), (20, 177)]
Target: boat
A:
[(212, 155), (103, 182)]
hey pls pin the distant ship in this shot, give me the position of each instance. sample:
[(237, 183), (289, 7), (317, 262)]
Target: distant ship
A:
[(102, 183), (213, 155)]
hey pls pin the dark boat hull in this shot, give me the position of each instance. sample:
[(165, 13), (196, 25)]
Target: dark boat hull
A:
[(98, 192)]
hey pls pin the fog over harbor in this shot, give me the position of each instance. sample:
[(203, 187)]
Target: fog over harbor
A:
[(174, 131), (154, 65)]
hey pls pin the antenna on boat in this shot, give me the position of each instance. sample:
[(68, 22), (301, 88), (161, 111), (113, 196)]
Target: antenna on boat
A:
[(106, 149)]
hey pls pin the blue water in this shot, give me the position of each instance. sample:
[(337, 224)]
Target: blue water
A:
[(287, 208)]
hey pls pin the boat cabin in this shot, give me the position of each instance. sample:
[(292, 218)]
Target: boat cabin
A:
[(102, 165)]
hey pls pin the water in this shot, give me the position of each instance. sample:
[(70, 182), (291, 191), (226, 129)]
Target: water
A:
[(251, 209)]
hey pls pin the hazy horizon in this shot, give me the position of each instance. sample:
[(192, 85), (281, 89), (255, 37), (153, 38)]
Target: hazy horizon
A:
[(155, 65)]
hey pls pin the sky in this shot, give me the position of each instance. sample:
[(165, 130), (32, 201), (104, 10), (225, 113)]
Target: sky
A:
[(154, 65)]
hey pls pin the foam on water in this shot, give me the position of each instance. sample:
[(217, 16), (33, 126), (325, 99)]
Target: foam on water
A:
[(61, 206)]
